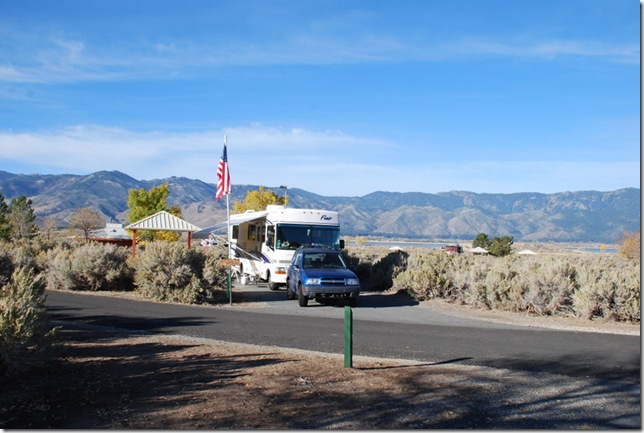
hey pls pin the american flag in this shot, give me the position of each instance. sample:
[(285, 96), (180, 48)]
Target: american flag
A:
[(223, 176)]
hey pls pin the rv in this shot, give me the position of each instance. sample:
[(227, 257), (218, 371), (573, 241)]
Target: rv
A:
[(264, 241)]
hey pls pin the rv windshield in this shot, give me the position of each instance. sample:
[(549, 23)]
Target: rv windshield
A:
[(291, 236)]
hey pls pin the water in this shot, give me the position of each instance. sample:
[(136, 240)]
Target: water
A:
[(401, 244)]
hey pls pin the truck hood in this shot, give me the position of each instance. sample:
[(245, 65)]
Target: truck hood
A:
[(329, 273)]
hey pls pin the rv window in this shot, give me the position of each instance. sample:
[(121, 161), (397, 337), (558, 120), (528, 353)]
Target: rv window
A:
[(289, 237), (235, 232), (270, 236)]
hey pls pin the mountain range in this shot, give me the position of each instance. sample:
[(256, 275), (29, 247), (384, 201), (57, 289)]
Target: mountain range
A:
[(582, 216)]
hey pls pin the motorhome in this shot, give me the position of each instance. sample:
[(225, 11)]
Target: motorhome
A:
[(264, 241)]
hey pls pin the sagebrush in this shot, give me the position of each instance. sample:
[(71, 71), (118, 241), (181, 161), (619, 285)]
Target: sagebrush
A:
[(91, 266), (587, 286), (25, 337), (170, 271)]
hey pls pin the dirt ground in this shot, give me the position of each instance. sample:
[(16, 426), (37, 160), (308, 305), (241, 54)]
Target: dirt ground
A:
[(108, 379), (111, 380)]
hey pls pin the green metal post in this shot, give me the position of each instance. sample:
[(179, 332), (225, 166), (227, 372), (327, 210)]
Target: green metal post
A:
[(348, 337), (229, 287)]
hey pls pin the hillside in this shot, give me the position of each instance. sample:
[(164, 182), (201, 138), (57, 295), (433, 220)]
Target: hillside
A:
[(582, 216)]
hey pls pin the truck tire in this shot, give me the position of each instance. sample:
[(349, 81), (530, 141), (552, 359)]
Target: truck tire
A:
[(289, 295), (301, 299), (271, 284)]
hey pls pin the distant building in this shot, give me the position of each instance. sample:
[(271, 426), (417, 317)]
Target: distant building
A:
[(479, 251), (452, 249), (111, 234)]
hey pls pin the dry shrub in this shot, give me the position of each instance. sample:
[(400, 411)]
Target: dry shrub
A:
[(170, 271), (91, 266), (375, 267), (428, 275), (214, 275), (25, 338), (593, 286), (549, 285), (629, 247), (610, 290)]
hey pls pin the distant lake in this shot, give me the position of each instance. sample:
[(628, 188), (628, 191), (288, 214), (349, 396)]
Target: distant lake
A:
[(595, 250), (400, 244), (438, 246)]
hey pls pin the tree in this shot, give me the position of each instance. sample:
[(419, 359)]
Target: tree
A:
[(481, 240), (86, 220), (5, 227), (502, 246), (498, 246), (144, 203), (49, 226), (21, 218), (629, 246), (258, 200)]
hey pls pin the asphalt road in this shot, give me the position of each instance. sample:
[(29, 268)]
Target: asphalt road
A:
[(383, 326)]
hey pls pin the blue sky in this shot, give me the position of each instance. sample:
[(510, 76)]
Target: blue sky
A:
[(336, 97)]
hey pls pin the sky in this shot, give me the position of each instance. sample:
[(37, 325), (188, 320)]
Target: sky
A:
[(337, 97)]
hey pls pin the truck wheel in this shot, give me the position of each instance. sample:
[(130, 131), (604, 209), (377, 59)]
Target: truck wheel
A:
[(353, 302), (301, 299), (271, 284), (289, 295)]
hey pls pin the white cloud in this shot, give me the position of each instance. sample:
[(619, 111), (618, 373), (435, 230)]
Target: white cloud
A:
[(323, 162), (257, 154)]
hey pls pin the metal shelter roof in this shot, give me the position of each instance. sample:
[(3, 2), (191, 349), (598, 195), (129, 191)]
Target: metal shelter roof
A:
[(478, 250), (234, 219), (163, 221)]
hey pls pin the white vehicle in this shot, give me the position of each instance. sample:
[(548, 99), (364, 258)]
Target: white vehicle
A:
[(265, 241)]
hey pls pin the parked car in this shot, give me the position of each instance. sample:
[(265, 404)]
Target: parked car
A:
[(321, 274)]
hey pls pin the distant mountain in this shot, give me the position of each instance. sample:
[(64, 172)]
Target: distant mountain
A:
[(583, 216)]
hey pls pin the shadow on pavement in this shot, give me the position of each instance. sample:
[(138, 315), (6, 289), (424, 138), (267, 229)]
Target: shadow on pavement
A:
[(261, 293)]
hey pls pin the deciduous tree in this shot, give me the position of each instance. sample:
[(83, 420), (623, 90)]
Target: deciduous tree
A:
[(258, 200), (86, 220), (629, 246), (144, 203)]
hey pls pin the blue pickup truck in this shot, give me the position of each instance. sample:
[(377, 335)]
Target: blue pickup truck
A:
[(321, 274)]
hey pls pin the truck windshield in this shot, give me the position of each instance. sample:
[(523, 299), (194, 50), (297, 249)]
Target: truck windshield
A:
[(290, 236)]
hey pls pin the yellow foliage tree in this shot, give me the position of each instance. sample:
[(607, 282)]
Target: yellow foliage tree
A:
[(629, 247), (258, 200), (144, 203)]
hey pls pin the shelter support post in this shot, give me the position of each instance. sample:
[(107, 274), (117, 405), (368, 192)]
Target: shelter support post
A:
[(133, 243)]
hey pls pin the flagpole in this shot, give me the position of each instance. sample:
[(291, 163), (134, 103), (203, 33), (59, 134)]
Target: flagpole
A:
[(227, 208), (230, 288)]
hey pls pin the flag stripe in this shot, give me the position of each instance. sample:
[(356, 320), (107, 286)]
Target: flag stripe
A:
[(223, 176)]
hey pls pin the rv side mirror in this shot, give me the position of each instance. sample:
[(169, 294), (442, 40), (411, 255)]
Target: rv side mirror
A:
[(341, 244)]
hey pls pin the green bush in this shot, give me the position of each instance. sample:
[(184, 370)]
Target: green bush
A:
[(170, 271), (91, 266), (25, 338)]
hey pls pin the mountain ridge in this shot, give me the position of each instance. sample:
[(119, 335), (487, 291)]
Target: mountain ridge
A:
[(593, 216)]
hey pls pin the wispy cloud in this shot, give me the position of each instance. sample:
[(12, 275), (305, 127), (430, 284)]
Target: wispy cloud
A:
[(257, 153), (541, 49), (48, 59)]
